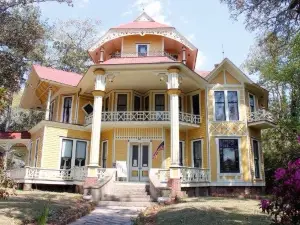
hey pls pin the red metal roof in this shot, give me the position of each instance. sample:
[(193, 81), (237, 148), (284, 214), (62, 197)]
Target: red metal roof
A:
[(203, 73), (15, 135), (58, 76), (141, 24), (137, 60)]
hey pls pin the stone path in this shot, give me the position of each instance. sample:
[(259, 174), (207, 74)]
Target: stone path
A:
[(109, 215)]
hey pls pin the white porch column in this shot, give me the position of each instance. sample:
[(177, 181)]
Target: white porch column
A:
[(174, 92), (47, 114), (101, 60), (98, 93), (184, 55)]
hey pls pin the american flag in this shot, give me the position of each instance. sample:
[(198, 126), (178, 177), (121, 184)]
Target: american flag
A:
[(159, 148)]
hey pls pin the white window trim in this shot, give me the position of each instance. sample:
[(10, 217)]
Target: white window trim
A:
[(36, 151), (133, 101), (104, 102), (62, 108), (182, 106), (226, 106), (116, 100), (218, 156), (192, 151), (102, 152), (137, 45), (254, 97), (85, 106), (144, 102), (52, 104), (154, 102), (259, 160), (191, 100), (183, 152), (73, 150)]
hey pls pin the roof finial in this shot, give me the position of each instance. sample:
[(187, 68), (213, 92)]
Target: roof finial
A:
[(223, 53), (143, 7)]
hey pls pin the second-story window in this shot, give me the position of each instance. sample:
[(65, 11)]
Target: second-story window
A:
[(51, 113), (142, 49), (122, 102), (137, 103), (159, 102), (147, 103), (252, 102), (67, 106), (226, 105), (195, 104)]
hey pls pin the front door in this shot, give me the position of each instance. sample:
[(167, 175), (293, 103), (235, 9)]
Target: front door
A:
[(139, 162)]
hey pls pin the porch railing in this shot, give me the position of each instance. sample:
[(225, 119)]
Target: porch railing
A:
[(143, 116), (148, 54), (33, 173), (261, 115)]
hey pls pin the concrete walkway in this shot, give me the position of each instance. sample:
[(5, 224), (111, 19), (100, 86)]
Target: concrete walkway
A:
[(110, 215)]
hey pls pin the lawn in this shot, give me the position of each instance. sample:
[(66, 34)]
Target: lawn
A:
[(212, 211), (28, 205)]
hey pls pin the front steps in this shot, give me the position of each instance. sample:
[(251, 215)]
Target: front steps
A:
[(128, 195)]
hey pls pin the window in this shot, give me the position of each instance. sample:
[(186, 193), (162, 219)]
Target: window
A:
[(220, 106), (181, 153), (51, 111), (197, 153), (256, 156), (67, 106), (80, 153), (159, 102), (36, 147), (104, 154), (233, 109), (88, 109), (142, 50), (195, 104), (137, 103), (147, 103), (252, 102), (180, 103), (229, 156), (106, 104), (73, 153), (226, 105), (122, 102)]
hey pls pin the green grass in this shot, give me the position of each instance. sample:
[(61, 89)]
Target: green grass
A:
[(211, 211), (28, 206)]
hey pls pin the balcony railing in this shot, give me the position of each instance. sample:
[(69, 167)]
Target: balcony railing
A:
[(148, 54), (261, 115), (143, 116)]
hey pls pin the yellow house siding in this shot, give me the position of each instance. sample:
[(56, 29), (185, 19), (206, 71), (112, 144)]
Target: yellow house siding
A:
[(230, 79), (52, 144), (121, 150), (129, 43), (219, 79)]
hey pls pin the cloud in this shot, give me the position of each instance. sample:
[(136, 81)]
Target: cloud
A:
[(201, 59), (154, 8)]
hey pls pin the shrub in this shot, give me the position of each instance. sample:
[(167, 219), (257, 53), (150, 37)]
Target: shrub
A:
[(284, 206), (7, 186), (43, 217)]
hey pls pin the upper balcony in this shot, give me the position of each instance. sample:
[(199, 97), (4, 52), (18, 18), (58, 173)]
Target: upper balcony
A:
[(261, 119), (136, 118)]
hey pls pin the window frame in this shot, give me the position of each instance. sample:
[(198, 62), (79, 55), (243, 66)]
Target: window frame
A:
[(192, 152), (85, 106), (36, 150), (254, 99), (154, 101), (105, 141), (51, 110), (226, 106), (73, 151), (62, 108), (259, 158), (104, 104), (127, 101), (29, 154), (183, 153), (218, 156), (141, 102), (191, 100), (137, 49)]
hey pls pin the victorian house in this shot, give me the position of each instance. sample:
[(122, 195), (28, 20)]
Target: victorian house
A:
[(144, 114)]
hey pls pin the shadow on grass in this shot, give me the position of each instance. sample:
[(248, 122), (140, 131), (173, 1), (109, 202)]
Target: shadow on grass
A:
[(211, 216)]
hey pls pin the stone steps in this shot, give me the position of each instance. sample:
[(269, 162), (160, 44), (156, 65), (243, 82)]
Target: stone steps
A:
[(125, 204), (128, 199)]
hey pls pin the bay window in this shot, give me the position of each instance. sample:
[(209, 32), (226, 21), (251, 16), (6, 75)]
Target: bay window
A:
[(226, 105), (73, 153), (229, 158)]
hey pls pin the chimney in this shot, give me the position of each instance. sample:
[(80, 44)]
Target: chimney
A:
[(216, 65)]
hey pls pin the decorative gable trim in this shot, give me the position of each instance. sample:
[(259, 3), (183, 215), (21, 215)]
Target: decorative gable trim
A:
[(144, 17)]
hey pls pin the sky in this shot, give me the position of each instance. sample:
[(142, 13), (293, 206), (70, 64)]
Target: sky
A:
[(206, 23)]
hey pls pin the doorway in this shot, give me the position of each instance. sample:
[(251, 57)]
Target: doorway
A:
[(139, 162)]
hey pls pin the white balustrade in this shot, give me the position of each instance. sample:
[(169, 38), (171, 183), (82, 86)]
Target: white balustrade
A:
[(148, 54), (194, 175), (261, 115), (105, 172), (163, 175), (143, 116), (80, 173)]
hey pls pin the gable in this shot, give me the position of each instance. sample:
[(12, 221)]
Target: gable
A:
[(231, 79), (219, 79)]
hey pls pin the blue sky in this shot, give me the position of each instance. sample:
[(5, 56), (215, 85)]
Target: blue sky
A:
[(206, 23)]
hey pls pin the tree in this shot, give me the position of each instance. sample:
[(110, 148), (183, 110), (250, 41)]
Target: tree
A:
[(281, 18)]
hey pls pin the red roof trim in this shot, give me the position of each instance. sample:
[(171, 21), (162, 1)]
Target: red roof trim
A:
[(15, 135)]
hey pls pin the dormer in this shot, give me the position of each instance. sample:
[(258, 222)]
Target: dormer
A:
[(143, 41)]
